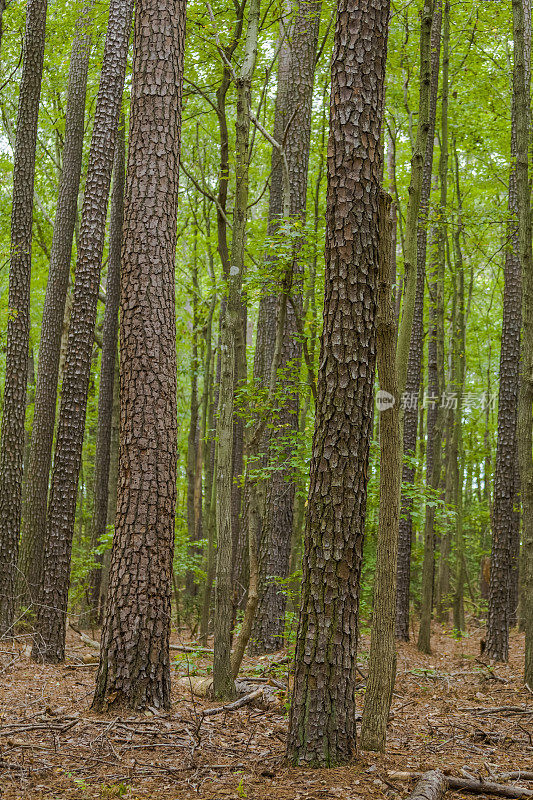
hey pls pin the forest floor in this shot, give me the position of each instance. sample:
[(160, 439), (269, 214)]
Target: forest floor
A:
[(53, 746)]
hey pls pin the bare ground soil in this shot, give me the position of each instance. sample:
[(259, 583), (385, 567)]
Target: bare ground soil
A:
[(53, 746)]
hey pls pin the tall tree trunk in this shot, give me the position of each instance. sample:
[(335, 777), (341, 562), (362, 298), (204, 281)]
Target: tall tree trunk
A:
[(35, 499), (223, 682), (505, 520), (442, 586), (112, 483), (410, 384), (30, 400), (322, 717), (459, 357), (134, 668), (295, 135), (107, 370), (208, 514), (192, 442), (18, 326), (434, 425), (433, 476), (223, 251), (521, 91), (49, 645), (267, 322), (382, 664)]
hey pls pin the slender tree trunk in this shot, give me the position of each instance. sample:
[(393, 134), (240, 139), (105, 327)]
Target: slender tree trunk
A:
[(30, 400), (223, 682), (49, 645), (442, 587), (192, 442), (208, 519), (459, 346), (266, 334), (322, 717), (18, 326), (433, 450), (112, 484), (505, 520), (410, 384), (107, 370), (134, 668), (382, 664), (2, 9), (35, 498), (521, 92), (223, 251), (444, 595), (295, 134)]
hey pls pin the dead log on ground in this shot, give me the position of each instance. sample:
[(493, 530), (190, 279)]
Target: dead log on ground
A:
[(430, 786)]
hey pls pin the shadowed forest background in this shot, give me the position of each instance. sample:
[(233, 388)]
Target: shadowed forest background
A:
[(266, 350)]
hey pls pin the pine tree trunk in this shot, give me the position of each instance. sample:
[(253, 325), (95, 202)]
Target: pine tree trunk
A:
[(35, 498), (107, 371), (134, 668), (505, 520), (294, 131), (429, 65), (18, 326), (49, 645), (322, 717), (521, 91)]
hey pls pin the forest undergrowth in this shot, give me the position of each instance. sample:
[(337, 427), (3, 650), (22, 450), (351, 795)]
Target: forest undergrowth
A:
[(444, 715)]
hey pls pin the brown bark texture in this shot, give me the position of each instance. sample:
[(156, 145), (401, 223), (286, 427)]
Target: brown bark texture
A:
[(322, 717), (49, 643), (382, 663), (102, 457), (293, 131), (521, 91), (134, 668), (505, 519), (36, 496), (18, 326)]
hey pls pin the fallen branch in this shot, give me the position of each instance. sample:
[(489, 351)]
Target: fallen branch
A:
[(85, 639), (430, 786), (181, 648), (498, 710), (516, 775), (267, 681), (242, 701)]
